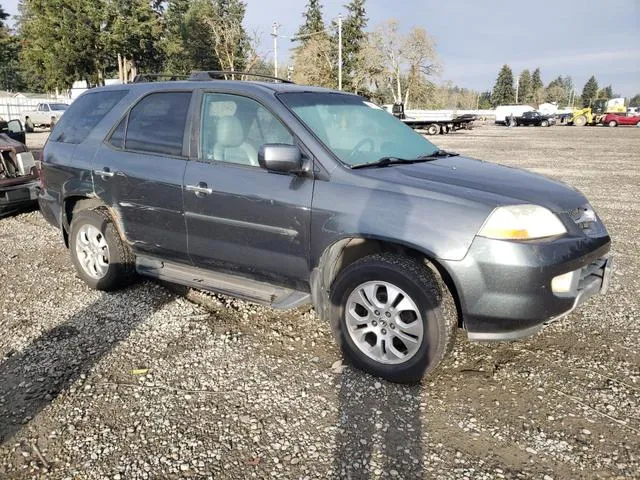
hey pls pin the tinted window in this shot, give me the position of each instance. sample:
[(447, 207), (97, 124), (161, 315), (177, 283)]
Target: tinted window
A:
[(234, 128), (157, 122), (84, 114), (117, 137)]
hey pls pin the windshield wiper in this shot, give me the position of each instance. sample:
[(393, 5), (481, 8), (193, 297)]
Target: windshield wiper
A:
[(438, 154), (386, 161)]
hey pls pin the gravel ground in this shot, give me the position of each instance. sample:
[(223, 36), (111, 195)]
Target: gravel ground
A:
[(157, 382)]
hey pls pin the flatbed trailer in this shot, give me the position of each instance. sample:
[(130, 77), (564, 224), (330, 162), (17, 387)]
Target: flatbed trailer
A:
[(433, 123)]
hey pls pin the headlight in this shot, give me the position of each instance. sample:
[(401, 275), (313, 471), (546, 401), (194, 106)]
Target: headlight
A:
[(521, 222)]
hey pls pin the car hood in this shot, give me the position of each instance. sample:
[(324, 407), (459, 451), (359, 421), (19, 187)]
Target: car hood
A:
[(483, 181)]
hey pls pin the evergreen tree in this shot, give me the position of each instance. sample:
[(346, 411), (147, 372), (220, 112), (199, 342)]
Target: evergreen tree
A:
[(525, 94), (536, 87), (62, 42), (606, 92), (132, 27), (590, 91), (10, 78), (313, 22), (187, 37), (353, 37), (503, 91)]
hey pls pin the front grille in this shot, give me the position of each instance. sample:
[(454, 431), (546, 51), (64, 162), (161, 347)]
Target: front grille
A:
[(594, 272), (587, 220)]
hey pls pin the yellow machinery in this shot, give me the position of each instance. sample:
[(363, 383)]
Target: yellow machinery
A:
[(593, 115)]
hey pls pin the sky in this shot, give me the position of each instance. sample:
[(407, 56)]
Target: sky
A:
[(475, 38)]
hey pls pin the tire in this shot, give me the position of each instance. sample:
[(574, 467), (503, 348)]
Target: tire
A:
[(429, 315), (580, 121), (613, 123), (544, 123), (108, 272), (432, 130)]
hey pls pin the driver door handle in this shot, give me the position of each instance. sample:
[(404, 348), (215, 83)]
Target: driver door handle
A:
[(105, 172), (200, 190)]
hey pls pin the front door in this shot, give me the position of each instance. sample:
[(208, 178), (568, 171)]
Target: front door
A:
[(138, 171), (239, 216)]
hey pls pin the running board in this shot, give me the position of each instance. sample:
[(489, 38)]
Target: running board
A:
[(273, 296)]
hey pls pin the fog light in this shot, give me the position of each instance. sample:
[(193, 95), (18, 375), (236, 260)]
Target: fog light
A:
[(563, 283)]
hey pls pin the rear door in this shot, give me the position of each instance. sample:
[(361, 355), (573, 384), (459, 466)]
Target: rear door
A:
[(239, 216), (138, 171)]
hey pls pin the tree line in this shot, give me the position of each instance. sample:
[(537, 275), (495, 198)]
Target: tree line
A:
[(530, 88), (57, 42)]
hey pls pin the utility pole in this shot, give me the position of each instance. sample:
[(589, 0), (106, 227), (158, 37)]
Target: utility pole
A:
[(274, 34), (340, 52)]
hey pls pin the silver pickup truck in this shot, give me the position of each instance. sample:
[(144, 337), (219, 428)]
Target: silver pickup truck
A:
[(43, 114)]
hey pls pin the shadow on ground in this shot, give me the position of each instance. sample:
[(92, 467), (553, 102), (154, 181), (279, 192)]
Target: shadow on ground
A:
[(32, 378)]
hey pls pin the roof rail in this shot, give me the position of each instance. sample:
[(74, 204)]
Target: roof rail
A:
[(216, 74), (158, 77)]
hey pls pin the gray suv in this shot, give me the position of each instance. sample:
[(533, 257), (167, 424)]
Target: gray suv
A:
[(287, 195)]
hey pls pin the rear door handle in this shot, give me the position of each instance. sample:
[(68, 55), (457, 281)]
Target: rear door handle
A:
[(200, 190), (105, 172)]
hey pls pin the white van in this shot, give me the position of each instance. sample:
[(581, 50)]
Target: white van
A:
[(502, 111)]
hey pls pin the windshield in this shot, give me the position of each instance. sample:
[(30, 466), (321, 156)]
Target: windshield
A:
[(355, 130), (58, 106)]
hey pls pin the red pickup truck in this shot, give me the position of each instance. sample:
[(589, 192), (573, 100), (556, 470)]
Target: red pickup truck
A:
[(615, 119)]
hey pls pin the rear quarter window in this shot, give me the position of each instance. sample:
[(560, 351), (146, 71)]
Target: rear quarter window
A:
[(84, 114)]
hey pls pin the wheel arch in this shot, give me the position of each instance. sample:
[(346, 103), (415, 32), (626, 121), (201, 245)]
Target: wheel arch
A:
[(76, 203), (342, 253)]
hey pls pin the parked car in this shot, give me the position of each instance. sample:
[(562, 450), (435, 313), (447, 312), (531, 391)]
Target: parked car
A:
[(19, 181), (504, 111), (286, 195), (536, 119), (44, 115), (615, 119)]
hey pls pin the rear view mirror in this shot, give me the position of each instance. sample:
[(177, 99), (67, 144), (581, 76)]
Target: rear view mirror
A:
[(278, 157)]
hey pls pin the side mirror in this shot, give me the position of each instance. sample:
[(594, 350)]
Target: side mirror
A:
[(277, 157)]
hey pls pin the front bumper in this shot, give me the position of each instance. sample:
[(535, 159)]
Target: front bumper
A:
[(505, 287), (18, 196)]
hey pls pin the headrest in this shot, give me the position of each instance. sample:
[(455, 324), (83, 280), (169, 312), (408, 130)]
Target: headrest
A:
[(229, 132)]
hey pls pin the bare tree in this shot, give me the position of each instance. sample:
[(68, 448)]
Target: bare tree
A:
[(313, 63), (405, 60)]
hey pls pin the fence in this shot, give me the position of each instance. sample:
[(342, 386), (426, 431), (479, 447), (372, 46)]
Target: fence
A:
[(14, 107)]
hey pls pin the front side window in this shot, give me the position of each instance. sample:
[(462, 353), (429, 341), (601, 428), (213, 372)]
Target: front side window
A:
[(157, 123), (355, 130), (234, 128), (84, 114)]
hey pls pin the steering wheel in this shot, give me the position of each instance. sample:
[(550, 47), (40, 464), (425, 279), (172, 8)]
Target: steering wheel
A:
[(359, 148)]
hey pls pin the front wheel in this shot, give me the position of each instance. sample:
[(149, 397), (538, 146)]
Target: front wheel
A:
[(98, 253), (580, 121), (613, 123), (393, 317), (544, 123), (432, 130)]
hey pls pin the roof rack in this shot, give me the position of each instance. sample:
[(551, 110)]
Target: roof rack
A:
[(217, 74), (158, 77)]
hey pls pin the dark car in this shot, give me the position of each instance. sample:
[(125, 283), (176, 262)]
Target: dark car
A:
[(19, 180), (286, 195), (536, 119)]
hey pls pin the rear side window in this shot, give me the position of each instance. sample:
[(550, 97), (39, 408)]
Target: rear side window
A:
[(84, 114), (156, 124)]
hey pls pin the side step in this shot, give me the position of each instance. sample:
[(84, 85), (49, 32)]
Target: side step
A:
[(258, 292)]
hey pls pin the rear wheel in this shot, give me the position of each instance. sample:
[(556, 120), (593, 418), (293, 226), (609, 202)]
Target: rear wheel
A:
[(102, 260), (432, 130), (580, 121), (393, 317), (613, 123)]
